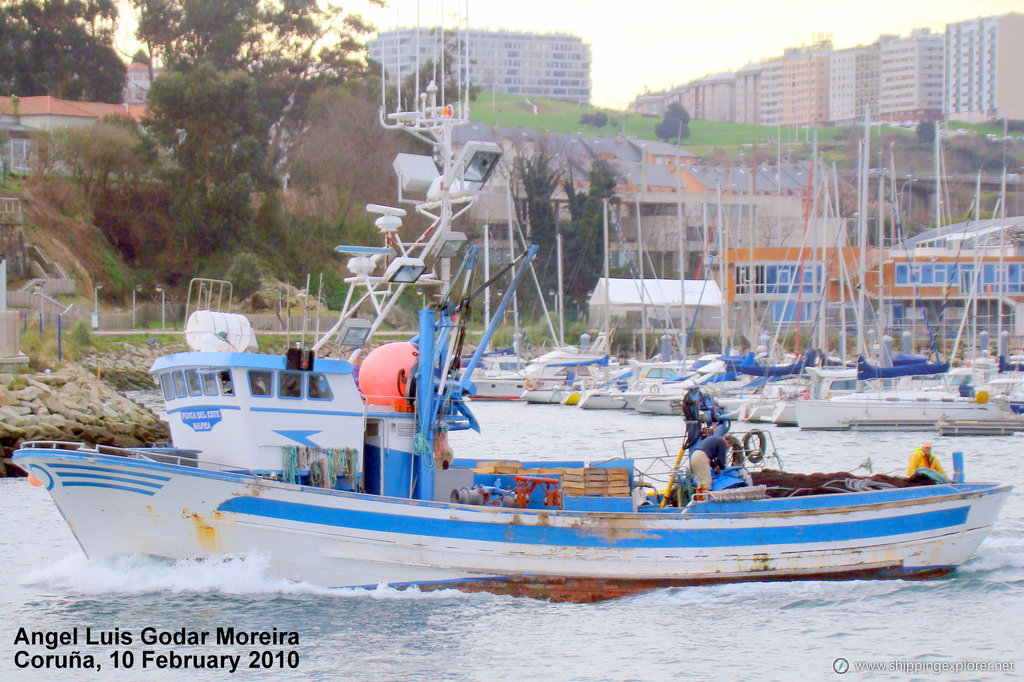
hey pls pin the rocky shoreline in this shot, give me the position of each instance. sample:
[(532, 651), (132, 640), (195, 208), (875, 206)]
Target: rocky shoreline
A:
[(81, 402)]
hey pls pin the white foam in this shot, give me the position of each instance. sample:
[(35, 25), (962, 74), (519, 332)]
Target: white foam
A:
[(996, 553), (137, 574)]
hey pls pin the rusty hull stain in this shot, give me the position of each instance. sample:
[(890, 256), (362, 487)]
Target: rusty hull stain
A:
[(206, 534)]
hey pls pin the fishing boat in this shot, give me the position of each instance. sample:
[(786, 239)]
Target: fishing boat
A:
[(338, 470)]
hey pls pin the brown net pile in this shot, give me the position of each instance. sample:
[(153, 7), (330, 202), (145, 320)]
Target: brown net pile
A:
[(786, 484)]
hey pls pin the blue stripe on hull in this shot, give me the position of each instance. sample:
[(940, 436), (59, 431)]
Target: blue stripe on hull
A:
[(125, 488), (66, 476), (639, 538), (81, 467)]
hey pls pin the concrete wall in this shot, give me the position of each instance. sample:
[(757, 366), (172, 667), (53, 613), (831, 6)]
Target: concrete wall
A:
[(8, 333)]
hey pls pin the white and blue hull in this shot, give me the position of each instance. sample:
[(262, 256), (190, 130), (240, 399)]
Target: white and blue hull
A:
[(120, 505)]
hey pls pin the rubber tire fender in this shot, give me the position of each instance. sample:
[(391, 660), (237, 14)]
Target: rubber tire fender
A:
[(755, 444)]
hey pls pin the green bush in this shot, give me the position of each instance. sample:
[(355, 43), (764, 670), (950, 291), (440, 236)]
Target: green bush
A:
[(244, 275)]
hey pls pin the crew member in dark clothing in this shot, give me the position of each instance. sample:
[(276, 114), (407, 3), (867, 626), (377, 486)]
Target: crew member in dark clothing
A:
[(709, 455)]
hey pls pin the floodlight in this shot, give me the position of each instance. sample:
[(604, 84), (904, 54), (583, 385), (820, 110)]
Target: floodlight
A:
[(451, 244), (405, 270), (478, 160), (354, 332)]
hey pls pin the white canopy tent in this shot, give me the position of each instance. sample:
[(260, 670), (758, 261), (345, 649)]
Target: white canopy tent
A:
[(625, 300)]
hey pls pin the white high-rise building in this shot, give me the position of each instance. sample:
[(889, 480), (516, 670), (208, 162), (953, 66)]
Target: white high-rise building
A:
[(553, 65), (985, 68), (910, 76), (853, 84)]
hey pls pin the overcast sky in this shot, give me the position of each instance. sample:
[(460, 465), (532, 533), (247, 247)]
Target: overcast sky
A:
[(660, 43)]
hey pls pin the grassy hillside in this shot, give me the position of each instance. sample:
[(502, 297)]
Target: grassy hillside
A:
[(513, 111)]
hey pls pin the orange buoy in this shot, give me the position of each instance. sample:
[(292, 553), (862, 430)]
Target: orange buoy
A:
[(32, 480), (385, 371)]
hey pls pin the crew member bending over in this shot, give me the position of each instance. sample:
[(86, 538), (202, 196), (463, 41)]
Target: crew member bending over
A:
[(923, 457), (708, 455)]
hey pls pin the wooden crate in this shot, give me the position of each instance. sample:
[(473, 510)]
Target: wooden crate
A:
[(499, 467), (574, 482), (607, 482)]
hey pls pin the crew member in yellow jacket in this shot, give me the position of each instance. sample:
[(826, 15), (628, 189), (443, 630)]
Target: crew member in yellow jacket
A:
[(923, 457)]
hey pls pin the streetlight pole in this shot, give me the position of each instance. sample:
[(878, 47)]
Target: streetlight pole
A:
[(138, 287), (96, 306), (163, 316), (39, 288)]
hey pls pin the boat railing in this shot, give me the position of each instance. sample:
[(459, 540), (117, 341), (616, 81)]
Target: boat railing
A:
[(174, 456), (757, 448)]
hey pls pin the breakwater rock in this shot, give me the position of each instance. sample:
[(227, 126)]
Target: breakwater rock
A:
[(70, 404), (127, 366)]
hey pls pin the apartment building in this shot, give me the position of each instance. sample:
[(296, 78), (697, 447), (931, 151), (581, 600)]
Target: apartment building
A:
[(711, 98), (853, 83), (748, 93), (552, 65), (984, 74), (910, 76), (794, 87)]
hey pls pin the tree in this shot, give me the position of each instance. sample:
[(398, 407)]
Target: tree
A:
[(215, 131), (926, 132), (598, 120), (676, 123), (61, 48), (584, 248), (106, 152), (537, 178), (291, 48), (244, 274)]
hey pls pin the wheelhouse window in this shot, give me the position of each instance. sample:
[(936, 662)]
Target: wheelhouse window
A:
[(227, 386), (261, 382), (167, 385), (319, 389), (289, 385), (209, 383), (179, 384), (192, 380)]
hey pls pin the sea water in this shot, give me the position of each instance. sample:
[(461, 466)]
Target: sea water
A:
[(966, 626)]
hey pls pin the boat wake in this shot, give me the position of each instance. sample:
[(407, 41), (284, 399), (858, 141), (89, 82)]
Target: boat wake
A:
[(997, 554), (138, 574)]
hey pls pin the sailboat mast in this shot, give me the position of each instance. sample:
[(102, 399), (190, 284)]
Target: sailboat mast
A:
[(862, 231), (607, 280), (682, 260), (750, 263), (721, 271), (559, 306)]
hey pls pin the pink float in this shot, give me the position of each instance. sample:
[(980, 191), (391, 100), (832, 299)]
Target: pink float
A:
[(384, 374)]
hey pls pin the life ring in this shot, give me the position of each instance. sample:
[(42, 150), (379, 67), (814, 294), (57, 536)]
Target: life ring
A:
[(655, 388), (532, 384), (755, 450), (981, 397)]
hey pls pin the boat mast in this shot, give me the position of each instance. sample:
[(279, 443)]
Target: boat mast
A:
[(607, 280), (721, 270), (862, 232)]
